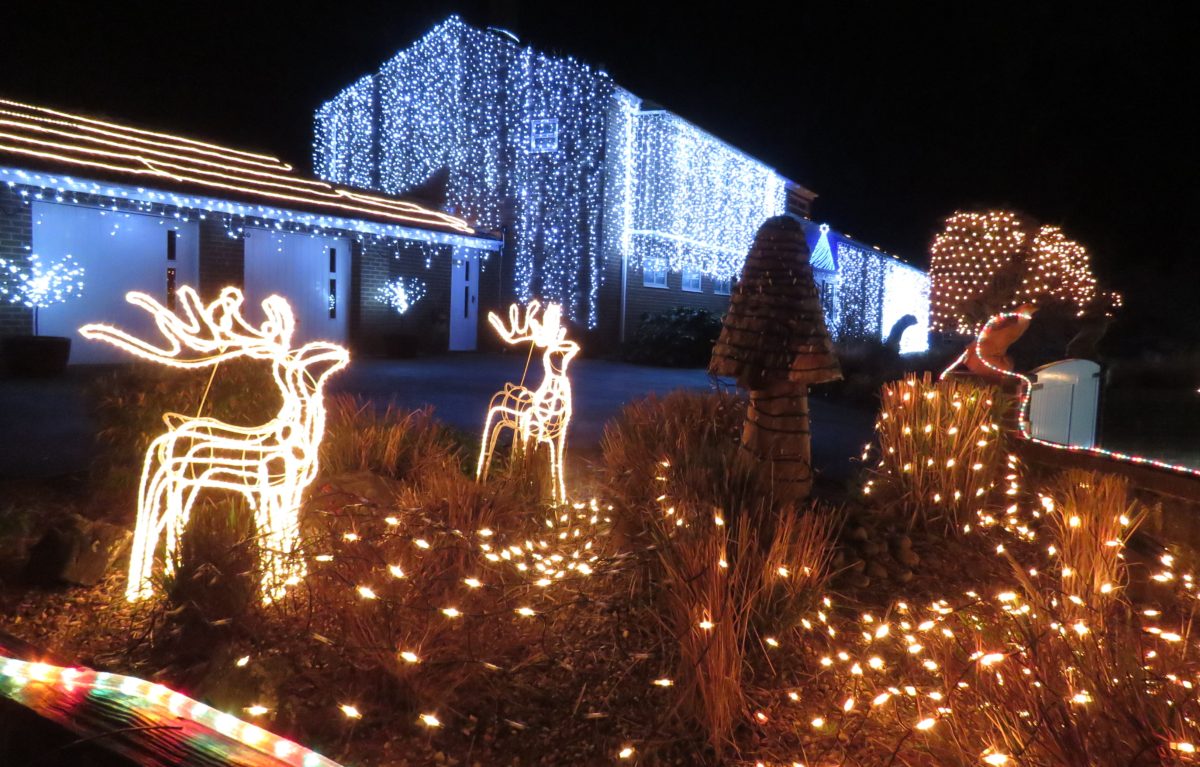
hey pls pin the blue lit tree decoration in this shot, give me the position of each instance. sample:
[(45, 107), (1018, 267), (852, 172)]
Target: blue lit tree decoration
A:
[(35, 286), (401, 293)]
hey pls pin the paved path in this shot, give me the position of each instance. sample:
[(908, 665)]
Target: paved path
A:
[(45, 429)]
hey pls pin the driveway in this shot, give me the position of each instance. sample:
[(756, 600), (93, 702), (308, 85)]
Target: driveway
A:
[(45, 430)]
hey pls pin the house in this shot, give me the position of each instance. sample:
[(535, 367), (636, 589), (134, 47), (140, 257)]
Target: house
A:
[(144, 210), (611, 206)]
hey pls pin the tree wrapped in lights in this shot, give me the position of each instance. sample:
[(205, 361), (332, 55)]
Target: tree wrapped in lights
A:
[(775, 342), (990, 262), (401, 293), (37, 286)]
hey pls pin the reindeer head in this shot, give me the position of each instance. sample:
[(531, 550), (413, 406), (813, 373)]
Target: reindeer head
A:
[(316, 361), (212, 333)]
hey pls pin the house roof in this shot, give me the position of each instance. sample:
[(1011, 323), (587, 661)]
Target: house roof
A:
[(49, 139)]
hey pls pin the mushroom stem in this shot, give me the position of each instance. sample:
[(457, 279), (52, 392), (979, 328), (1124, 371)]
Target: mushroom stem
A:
[(776, 439)]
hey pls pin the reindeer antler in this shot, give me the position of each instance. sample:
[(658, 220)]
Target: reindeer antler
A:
[(217, 331), (518, 329)]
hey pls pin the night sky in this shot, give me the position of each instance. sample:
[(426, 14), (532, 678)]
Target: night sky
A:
[(1076, 114)]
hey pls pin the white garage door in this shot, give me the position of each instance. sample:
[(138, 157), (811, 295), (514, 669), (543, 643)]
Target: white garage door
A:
[(119, 252), (312, 273)]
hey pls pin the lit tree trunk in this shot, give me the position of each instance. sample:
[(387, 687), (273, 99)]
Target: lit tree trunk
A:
[(776, 438)]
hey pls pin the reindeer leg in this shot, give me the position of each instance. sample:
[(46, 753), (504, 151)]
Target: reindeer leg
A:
[(269, 555), (556, 470), (145, 537), (487, 446)]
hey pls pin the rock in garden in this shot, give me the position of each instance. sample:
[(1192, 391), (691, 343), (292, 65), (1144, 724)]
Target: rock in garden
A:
[(77, 550), (908, 558)]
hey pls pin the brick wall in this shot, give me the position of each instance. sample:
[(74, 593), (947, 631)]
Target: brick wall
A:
[(375, 327), (222, 257), (16, 240)]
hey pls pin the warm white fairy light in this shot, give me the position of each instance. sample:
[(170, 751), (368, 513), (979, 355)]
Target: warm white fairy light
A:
[(541, 415), (45, 134), (401, 293), (1001, 260), (271, 465), (35, 285)]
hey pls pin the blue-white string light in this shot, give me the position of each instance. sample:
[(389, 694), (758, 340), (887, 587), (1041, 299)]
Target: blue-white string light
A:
[(582, 171)]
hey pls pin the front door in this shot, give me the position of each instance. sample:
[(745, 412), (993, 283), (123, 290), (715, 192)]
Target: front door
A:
[(464, 301)]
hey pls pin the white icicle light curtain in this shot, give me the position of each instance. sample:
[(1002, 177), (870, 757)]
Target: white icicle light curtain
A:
[(538, 415), (271, 465)]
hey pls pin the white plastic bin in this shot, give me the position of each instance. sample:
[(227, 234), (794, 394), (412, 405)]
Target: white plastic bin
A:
[(1064, 402)]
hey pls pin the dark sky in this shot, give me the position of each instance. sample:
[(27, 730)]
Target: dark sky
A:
[(1077, 114)]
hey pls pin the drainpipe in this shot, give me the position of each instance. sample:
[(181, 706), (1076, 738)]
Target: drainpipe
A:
[(624, 287)]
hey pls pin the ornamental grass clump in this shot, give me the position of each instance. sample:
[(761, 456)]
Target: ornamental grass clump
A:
[(388, 441), (942, 453), (1091, 517), (685, 438), (724, 592)]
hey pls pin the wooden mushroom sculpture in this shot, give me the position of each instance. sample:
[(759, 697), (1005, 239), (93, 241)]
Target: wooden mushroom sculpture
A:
[(775, 343)]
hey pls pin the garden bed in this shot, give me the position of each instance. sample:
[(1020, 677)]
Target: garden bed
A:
[(957, 609)]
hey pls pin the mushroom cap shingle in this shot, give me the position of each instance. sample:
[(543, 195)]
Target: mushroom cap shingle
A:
[(774, 331)]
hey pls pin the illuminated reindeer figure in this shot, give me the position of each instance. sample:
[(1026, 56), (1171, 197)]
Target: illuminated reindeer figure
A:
[(271, 465), (534, 415)]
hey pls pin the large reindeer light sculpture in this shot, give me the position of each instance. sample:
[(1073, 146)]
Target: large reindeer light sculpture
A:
[(534, 415), (271, 465)]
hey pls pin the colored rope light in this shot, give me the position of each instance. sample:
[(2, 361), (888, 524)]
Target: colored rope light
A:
[(271, 465), (538, 415), (1026, 390), (158, 704)]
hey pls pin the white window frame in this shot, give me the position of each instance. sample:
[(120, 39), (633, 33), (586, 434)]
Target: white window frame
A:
[(650, 277), (687, 275), (723, 287)]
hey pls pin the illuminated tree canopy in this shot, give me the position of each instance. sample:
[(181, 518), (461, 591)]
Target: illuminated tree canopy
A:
[(987, 262)]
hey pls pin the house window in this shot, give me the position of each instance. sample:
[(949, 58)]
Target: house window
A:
[(691, 281), (723, 287), (654, 274)]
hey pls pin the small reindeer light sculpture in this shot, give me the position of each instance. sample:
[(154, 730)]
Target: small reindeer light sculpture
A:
[(538, 415), (271, 465)]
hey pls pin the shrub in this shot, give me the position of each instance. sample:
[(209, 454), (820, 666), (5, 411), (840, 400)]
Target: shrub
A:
[(129, 404), (941, 449), (679, 337), (722, 573), (390, 442), (689, 439)]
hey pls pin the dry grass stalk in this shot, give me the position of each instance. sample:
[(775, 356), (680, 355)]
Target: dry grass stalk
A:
[(724, 587), (941, 449), (390, 442)]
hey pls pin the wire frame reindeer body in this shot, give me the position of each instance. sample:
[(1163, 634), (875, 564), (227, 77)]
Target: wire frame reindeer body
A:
[(538, 415), (270, 465)]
